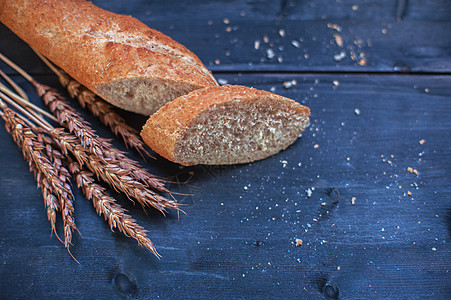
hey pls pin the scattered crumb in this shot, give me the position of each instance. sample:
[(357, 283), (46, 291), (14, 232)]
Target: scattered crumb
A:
[(422, 142), (338, 268), (222, 81), (270, 53), (362, 62), (226, 21), (229, 28), (348, 158), (409, 193), (334, 26), (353, 200), (316, 146), (245, 188), (338, 40), (434, 249), (217, 61), (295, 44), (289, 84), (256, 44), (384, 30), (298, 242), (309, 192), (266, 39), (357, 112), (426, 90), (412, 170), (282, 32), (306, 56), (340, 56), (355, 7), (336, 83)]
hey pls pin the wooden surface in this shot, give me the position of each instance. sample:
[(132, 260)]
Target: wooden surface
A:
[(369, 228)]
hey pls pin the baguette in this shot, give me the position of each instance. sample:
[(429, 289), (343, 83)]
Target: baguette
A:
[(118, 57), (224, 125)]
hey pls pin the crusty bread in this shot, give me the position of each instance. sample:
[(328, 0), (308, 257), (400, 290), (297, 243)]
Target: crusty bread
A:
[(224, 125), (116, 56)]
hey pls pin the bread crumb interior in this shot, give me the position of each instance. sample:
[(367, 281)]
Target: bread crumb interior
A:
[(239, 132), (143, 95)]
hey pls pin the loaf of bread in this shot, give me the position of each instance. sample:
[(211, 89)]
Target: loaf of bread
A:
[(116, 56), (225, 125)]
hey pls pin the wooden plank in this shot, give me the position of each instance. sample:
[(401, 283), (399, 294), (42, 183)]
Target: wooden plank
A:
[(383, 10), (311, 46), (313, 37), (238, 238), (377, 36)]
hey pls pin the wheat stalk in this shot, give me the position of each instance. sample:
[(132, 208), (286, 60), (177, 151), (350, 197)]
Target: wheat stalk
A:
[(13, 127), (51, 177), (70, 119), (48, 150), (112, 173), (106, 205)]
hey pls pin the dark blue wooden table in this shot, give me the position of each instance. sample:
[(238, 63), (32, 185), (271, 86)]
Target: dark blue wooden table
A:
[(377, 78)]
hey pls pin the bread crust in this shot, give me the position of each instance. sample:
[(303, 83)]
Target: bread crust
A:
[(164, 129), (98, 47)]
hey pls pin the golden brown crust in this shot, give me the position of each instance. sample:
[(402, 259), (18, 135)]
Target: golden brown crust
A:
[(164, 129), (96, 46)]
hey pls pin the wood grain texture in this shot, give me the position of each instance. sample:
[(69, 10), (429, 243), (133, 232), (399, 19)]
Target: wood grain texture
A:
[(375, 38), (224, 35), (369, 227), (238, 237)]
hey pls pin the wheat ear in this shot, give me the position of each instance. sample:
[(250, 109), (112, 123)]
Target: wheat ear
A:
[(70, 119), (53, 180), (111, 173), (106, 205), (75, 123)]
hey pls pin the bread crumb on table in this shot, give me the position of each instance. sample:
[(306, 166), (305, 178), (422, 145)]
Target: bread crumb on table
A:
[(338, 40), (334, 26), (282, 32), (295, 44), (340, 56), (256, 44), (298, 242), (289, 84), (270, 53)]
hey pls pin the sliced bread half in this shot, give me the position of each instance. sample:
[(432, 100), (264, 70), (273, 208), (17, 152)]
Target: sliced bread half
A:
[(228, 124)]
